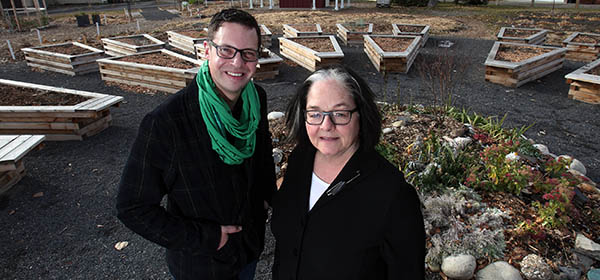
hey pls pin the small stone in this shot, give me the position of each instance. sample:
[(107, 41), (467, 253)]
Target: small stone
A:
[(578, 165), (459, 266), (277, 155), (542, 148), (387, 130), (570, 273), (534, 267), (587, 187), (434, 267), (399, 123), (121, 245), (512, 157), (584, 245), (38, 194), (500, 270), (593, 274), (275, 115), (458, 132), (462, 142), (581, 261)]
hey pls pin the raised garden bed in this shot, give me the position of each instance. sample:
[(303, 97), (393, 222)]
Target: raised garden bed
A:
[(351, 34), (533, 36), (413, 30), (265, 35), (162, 70), (311, 52), (514, 64), (301, 30), (58, 113), (71, 58), (185, 40), (585, 83), (390, 53), (582, 46), (126, 45), (12, 150), (268, 65)]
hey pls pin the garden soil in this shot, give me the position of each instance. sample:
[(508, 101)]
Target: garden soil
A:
[(59, 221)]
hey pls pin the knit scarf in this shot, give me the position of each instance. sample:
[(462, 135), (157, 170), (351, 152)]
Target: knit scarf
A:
[(219, 119)]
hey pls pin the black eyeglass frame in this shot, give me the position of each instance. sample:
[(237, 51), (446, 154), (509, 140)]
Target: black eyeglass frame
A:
[(217, 47), (331, 116)]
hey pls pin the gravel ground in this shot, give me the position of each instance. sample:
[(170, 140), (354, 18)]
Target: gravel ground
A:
[(70, 231)]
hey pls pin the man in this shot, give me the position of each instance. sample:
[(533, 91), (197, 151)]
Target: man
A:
[(208, 149)]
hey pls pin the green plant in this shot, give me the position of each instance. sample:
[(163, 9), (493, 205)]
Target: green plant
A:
[(389, 152), (497, 173)]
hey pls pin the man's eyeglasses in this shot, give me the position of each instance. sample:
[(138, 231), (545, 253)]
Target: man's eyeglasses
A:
[(227, 52), (339, 117)]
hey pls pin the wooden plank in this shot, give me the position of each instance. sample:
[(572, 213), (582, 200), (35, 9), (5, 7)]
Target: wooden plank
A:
[(27, 143), (10, 178)]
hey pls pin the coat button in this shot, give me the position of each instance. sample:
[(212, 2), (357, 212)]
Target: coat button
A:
[(295, 252)]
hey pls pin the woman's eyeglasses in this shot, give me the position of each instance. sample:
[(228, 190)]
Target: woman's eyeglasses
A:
[(227, 52), (339, 117)]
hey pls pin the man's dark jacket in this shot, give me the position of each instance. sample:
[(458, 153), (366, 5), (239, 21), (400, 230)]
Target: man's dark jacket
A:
[(172, 156), (372, 229)]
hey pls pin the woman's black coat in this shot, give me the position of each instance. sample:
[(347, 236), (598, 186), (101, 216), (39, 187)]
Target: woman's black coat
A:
[(371, 229)]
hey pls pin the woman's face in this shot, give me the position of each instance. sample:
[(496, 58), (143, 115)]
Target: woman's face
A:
[(331, 139)]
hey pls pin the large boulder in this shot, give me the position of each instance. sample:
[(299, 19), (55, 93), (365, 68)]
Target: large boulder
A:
[(500, 270), (459, 266)]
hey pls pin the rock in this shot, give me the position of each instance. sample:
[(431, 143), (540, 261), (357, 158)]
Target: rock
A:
[(434, 267), (275, 115), (593, 274), (534, 267), (398, 123), (587, 187), (542, 148), (581, 261), (575, 164), (462, 142), (580, 198), (459, 266), (512, 157), (587, 247), (387, 130), (500, 270), (570, 273)]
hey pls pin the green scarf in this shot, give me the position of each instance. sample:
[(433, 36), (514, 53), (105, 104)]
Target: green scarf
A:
[(219, 119)]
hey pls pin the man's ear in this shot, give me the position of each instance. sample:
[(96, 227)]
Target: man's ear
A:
[(206, 49)]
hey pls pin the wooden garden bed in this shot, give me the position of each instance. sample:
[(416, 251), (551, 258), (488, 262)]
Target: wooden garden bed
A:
[(582, 46), (311, 52), (126, 45), (533, 36), (390, 53), (162, 70), (185, 40), (412, 30), (301, 30), (265, 36), (514, 64), (71, 58), (585, 83), (268, 65), (74, 121), (12, 150), (351, 34)]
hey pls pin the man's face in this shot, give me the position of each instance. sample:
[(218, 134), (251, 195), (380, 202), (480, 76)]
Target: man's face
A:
[(232, 75)]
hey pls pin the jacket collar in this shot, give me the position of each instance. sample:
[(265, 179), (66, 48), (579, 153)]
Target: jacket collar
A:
[(359, 167)]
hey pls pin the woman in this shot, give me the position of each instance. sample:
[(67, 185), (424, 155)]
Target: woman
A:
[(343, 211)]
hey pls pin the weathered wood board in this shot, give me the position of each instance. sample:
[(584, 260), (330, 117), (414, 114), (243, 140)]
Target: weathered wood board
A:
[(385, 61), (352, 38), (584, 85), (582, 51), (12, 150), (80, 64), (184, 42), (515, 74), (58, 122), (537, 37), (293, 49), (118, 46), (424, 32), (167, 79), (290, 30)]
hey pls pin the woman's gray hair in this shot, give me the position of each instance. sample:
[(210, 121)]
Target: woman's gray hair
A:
[(370, 118)]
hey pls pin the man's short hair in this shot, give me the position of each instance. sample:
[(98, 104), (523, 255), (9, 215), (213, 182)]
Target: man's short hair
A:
[(235, 16)]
